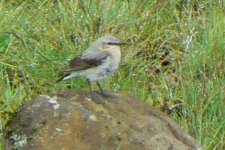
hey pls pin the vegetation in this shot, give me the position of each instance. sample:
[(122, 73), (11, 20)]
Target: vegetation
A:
[(174, 55)]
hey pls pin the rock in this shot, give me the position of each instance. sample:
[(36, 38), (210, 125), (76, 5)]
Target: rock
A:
[(69, 121)]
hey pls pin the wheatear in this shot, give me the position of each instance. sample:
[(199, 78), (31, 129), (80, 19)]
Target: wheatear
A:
[(97, 62)]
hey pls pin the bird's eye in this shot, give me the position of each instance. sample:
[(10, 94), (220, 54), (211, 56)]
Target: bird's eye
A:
[(111, 43)]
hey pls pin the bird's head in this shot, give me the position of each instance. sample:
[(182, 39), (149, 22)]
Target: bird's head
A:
[(109, 41)]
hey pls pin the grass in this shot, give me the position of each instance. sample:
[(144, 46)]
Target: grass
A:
[(175, 54)]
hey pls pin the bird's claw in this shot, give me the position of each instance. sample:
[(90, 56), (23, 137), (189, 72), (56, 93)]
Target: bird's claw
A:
[(105, 94), (96, 99)]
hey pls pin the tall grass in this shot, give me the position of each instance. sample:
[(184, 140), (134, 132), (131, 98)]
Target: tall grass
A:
[(175, 54)]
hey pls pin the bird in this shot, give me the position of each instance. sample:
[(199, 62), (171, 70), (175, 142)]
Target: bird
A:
[(96, 63)]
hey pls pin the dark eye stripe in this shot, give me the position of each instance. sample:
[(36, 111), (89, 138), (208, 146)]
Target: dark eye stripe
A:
[(115, 43)]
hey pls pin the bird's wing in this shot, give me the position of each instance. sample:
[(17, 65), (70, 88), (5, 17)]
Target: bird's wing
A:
[(80, 63)]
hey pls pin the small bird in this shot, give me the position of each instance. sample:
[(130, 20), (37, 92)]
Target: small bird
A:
[(97, 62)]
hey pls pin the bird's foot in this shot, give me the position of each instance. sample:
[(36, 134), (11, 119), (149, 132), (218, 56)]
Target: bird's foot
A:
[(60, 94), (105, 94), (96, 99)]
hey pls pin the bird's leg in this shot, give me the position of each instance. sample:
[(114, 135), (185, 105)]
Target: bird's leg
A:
[(90, 88), (93, 96), (102, 91)]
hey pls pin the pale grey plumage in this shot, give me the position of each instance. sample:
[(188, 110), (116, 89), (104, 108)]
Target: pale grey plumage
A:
[(97, 62)]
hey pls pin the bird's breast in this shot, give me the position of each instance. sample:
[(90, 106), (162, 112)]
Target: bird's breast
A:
[(109, 67)]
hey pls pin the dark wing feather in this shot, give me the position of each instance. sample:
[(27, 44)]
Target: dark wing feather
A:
[(79, 63)]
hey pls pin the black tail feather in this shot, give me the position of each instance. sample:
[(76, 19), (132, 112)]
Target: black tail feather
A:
[(61, 78)]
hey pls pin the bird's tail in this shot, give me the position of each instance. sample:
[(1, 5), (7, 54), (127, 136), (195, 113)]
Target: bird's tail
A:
[(66, 77)]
